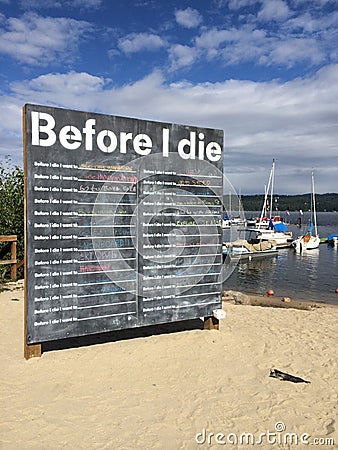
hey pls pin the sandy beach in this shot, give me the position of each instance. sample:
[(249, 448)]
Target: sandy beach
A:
[(179, 388)]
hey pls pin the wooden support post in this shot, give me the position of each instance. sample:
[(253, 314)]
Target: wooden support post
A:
[(12, 240), (29, 350), (211, 323), (32, 351), (13, 258)]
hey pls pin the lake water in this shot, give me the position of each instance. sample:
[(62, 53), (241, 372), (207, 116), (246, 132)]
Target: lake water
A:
[(312, 275)]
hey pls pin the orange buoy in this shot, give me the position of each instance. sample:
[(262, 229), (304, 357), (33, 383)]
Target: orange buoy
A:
[(336, 290), (270, 292)]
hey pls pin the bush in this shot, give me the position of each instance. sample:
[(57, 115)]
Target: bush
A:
[(12, 206)]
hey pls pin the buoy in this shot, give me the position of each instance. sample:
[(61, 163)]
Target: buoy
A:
[(336, 290), (270, 292)]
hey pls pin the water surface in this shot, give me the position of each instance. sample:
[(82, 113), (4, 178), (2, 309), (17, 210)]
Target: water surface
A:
[(312, 275)]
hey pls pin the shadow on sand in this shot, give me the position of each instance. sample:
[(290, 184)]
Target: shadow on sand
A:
[(120, 335)]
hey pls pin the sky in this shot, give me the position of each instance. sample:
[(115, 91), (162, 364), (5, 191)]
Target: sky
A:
[(264, 71)]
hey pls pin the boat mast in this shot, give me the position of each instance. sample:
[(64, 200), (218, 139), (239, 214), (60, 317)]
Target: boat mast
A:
[(314, 203), (272, 183), (266, 195)]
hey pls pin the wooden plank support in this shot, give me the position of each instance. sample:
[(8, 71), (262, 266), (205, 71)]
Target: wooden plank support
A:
[(32, 351), (12, 241), (20, 264), (29, 350), (11, 238), (13, 258), (211, 323), (5, 262)]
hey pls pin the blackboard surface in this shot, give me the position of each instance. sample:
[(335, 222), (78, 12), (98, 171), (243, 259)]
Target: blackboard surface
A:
[(123, 222)]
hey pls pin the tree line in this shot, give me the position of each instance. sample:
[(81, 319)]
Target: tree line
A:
[(11, 208), (324, 202)]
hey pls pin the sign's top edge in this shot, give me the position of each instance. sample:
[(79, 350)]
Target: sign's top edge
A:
[(47, 107)]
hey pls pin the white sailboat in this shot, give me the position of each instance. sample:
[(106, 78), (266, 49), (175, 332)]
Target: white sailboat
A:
[(272, 227), (226, 222), (311, 239), (280, 234), (239, 220), (228, 218)]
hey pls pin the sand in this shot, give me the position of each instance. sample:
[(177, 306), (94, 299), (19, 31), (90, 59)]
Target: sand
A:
[(185, 389)]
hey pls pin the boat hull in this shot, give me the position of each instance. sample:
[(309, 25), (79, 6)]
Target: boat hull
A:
[(283, 240), (253, 255), (242, 253), (306, 242), (333, 240)]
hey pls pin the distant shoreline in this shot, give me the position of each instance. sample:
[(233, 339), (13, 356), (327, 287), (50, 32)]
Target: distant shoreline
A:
[(293, 203)]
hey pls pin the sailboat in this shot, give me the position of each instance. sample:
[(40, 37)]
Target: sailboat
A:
[(240, 219), (311, 239), (272, 227), (226, 222)]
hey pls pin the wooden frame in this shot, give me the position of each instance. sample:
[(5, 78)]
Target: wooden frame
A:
[(33, 350), (12, 241)]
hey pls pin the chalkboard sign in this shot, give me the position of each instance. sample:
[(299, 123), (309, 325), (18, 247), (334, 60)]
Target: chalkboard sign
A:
[(123, 222)]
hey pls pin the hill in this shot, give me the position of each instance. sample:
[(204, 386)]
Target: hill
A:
[(324, 202)]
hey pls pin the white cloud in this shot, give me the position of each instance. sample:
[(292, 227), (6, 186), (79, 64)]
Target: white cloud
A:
[(314, 3), (58, 4), (295, 122), (234, 45), (274, 10), (286, 47), (57, 84), (84, 3), (10, 129), (34, 40), (71, 90), (308, 38), (136, 42), (213, 38), (308, 23), (188, 18), (182, 56), (237, 4), (293, 50)]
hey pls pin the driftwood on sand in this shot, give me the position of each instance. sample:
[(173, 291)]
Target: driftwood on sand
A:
[(238, 298)]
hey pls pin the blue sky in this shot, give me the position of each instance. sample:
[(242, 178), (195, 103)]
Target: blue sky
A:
[(264, 71)]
